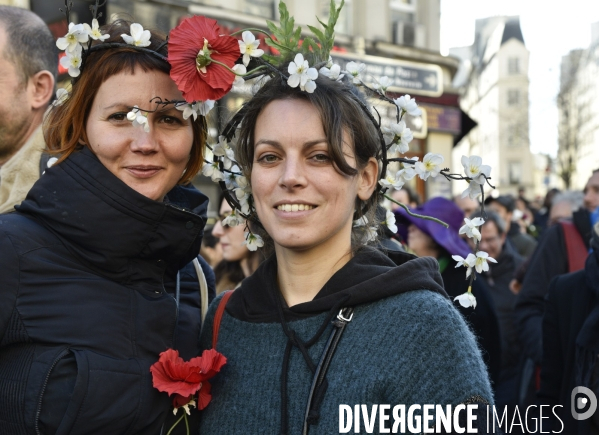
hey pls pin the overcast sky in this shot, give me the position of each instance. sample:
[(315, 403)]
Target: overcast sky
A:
[(549, 33)]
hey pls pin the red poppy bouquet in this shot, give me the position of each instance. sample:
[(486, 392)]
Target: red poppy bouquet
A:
[(184, 379)]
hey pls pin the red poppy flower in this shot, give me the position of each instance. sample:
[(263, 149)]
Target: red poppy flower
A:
[(192, 46), (172, 375)]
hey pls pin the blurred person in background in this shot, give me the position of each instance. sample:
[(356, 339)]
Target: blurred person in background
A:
[(428, 238), (564, 205), (541, 217), (498, 277), (406, 195), (467, 204), (211, 250), (28, 69), (504, 206), (563, 248), (571, 343), (238, 261)]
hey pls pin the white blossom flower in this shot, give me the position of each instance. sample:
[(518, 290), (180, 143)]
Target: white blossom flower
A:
[(253, 241), (430, 166), (390, 221), (72, 61), (382, 84), (329, 62), (204, 107), (185, 407), (369, 235), (239, 69), (139, 37), (213, 171), (392, 181), (399, 135), (471, 228), (408, 104), (222, 149), (475, 170), (243, 182), (481, 264), (139, 118), (466, 300), (195, 109), (361, 222), (468, 262), (243, 196), (302, 74), (233, 219), (473, 191), (75, 36), (355, 69), (334, 73), (249, 47), (94, 31), (62, 95)]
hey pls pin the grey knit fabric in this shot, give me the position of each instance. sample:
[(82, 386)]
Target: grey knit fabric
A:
[(412, 348)]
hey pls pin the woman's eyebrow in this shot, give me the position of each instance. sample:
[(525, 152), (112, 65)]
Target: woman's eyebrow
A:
[(277, 144)]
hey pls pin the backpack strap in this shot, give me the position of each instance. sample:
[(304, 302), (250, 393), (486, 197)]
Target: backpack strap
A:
[(575, 247), (218, 316)]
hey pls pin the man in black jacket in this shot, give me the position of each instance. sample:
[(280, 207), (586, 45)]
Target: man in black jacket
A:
[(571, 346)]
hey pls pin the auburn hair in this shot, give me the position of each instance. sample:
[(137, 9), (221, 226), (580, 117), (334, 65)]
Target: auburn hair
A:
[(64, 128)]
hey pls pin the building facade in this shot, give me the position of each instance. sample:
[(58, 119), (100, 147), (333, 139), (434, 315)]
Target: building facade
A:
[(494, 83), (578, 112)]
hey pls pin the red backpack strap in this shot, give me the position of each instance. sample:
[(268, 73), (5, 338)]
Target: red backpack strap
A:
[(218, 316), (577, 251)]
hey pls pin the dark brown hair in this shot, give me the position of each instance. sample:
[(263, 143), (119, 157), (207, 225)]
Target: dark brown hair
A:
[(341, 108), (65, 125)]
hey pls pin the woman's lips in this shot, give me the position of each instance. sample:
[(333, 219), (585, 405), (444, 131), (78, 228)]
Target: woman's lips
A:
[(143, 171)]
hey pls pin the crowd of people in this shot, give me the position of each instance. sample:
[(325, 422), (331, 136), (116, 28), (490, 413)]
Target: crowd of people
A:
[(100, 230)]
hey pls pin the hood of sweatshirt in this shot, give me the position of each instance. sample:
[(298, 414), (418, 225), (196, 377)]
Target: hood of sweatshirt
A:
[(369, 276)]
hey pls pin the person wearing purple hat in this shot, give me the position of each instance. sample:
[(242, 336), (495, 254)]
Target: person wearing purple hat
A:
[(429, 238)]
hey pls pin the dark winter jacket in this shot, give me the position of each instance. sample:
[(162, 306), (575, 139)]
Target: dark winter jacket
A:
[(571, 345), (406, 344), (549, 260), (88, 301)]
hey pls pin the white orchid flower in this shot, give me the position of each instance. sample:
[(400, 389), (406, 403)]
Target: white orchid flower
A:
[(370, 234), (249, 47), (94, 31), (244, 199), (139, 118), (390, 221), (213, 171), (302, 74), (399, 135), (222, 149), (466, 300), (396, 181), (185, 407), (188, 110), (481, 264), (75, 36), (469, 262), (139, 37), (62, 95), (253, 241), (334, 73), (408, 104), (471, 228), (71, 61), (243, 183), (355, 69), (474, 169), (473, 191), (430, 166), (239, 69), (382, 84), (233, 219), (204, 107)]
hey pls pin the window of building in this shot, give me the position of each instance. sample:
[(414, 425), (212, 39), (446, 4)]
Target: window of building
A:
[(261, 8), (513, 65), (515, 172), (513, 97)]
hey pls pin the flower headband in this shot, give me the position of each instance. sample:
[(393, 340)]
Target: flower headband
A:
[(206, 64)]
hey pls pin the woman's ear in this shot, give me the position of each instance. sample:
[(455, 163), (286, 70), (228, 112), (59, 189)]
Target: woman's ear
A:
[(368, 178)]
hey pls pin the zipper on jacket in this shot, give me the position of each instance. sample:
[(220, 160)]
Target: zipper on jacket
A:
[(45, 384)]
